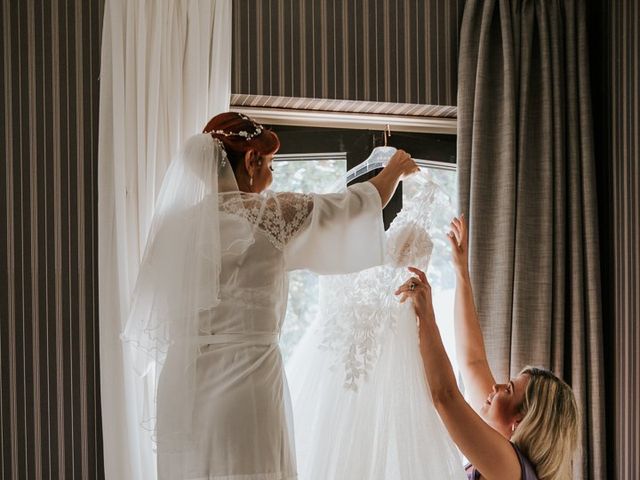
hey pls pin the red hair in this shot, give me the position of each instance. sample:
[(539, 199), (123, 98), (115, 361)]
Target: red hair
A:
[(236, 146)]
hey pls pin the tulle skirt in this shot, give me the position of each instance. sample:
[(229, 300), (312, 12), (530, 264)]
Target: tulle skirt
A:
[(387, 428)]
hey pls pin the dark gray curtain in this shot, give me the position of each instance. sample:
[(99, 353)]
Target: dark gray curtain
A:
[(527, 183)]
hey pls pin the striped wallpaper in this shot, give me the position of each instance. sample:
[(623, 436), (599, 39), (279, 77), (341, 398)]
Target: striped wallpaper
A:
[(49, 402), (49, 397), (625, 127), (403, 51), (616, 72)]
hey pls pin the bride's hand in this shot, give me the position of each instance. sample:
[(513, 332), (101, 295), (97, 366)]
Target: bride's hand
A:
[(418, 289), (402, 165), (458, 237)]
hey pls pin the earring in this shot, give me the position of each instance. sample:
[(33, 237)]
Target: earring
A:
[(513, 428), (251, 181)]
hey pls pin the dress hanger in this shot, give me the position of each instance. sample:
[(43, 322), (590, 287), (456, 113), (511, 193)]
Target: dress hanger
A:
[(378, 159)]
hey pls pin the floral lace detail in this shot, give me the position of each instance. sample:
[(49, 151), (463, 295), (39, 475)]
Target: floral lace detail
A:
[(358, 310), (409, 245), (280, 216)]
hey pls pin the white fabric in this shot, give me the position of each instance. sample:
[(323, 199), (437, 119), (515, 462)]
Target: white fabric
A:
[(362, 408), (242, 413), (177, 280), (165, 70), (352, 248)]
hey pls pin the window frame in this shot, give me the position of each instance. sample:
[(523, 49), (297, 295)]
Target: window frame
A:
[(434, 150)]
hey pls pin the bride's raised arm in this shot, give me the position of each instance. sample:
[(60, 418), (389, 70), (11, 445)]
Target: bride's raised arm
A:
[(343, 232)]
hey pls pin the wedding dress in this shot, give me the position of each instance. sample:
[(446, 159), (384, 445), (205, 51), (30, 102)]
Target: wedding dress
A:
[(362, 408), (209, 304)]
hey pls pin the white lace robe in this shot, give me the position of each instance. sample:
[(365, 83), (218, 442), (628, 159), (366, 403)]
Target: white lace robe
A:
[(242, 408)]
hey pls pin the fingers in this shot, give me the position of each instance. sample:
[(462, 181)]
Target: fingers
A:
[(401, 155), (459, 229), (406, 286), (461, 223), (455, 245), (412, 168), (421, 275), (455, 232), (407, 165), (414, 285)]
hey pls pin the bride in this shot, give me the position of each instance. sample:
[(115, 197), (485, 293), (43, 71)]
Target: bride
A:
[(211, 294), (362, 408)]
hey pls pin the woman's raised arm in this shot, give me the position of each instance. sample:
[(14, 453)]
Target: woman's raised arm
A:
[(472, 357), (489, 452)]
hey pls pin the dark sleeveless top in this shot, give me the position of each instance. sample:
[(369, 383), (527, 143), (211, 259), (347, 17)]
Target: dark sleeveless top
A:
[(528, 472)]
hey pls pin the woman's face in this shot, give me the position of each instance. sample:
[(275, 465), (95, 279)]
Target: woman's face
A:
[(502, 407), (263, 177)]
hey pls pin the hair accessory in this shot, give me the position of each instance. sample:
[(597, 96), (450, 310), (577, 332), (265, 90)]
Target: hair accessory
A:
[(223, 162), (258, 129)]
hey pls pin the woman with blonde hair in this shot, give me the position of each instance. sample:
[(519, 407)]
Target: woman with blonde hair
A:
[(526, 428)]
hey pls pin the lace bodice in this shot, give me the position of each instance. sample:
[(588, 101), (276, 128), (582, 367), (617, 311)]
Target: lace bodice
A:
[(359, 309), (279, 215)]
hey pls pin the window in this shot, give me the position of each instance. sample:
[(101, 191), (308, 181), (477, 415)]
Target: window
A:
[(441, 274), (319, 173)]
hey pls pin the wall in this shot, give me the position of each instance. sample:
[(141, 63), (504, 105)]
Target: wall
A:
[(615, 62), (49, 403), (404, 51)]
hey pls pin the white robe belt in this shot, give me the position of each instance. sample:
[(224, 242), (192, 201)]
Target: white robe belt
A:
[(245, 338)]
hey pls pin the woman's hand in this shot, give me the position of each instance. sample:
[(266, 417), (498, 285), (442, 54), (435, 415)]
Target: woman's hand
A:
[(418, 289), (458, 237), (401, 165)]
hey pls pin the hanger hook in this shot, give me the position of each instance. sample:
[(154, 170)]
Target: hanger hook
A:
[(387, 133)]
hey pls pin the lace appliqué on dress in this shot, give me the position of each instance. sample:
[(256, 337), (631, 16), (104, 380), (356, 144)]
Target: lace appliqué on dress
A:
[(410, 244), (359, 309), (281, 216)]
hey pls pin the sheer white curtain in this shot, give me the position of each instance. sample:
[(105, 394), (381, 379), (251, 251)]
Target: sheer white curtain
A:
[(166, 69)]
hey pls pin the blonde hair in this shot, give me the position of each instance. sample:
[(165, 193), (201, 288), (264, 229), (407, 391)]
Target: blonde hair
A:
[(548, 433)]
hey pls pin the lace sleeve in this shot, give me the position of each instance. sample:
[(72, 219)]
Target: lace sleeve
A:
[(286, 214), (281, 216)]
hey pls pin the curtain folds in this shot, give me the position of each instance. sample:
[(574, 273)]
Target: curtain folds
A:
[(166, 69), (527, 183)]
